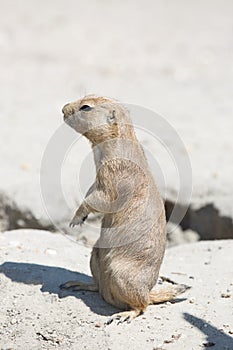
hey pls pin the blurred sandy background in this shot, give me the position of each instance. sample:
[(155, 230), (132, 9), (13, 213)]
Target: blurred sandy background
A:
[(174, 57)]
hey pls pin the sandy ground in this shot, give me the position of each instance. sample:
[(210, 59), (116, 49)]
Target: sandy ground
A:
[(35, 314)]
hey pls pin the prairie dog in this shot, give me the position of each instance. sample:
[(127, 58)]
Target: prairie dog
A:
[(126, 259)]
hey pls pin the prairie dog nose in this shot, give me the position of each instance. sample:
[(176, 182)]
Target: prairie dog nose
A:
[(64, 108), (68, 110)]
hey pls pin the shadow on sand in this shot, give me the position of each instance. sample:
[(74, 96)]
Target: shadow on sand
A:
[(215, 338), (50, 278)]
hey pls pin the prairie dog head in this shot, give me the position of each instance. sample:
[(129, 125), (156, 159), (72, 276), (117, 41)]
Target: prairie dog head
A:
[(98, 118)]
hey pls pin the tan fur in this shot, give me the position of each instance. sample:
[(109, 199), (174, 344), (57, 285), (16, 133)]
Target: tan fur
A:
[(126, 259)]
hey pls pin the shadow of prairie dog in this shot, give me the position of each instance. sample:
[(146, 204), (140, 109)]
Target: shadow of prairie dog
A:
[(126, 259)]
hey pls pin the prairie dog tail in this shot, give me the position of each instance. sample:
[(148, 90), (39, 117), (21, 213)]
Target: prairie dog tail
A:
[(167, 293)]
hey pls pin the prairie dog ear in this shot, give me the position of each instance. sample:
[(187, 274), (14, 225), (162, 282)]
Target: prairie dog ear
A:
[(112, 117)]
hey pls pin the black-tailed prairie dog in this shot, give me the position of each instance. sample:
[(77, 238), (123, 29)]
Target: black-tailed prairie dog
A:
[(126, 259)]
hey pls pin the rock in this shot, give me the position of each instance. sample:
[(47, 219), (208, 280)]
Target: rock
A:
[(192, 300), (226, 295), (175, 235), (50, 251), (13, 321)]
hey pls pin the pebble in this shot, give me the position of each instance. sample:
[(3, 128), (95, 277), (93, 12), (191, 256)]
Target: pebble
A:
[(176, 336), (192, 300), (50, 251), (21, 222), (208, 344), (159, 347), (157, 318), (225, 325), (13, 321), (226, 295)]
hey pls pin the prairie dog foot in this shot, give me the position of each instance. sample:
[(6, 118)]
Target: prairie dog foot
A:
[(77, 220), (125, 316), (76, 285)]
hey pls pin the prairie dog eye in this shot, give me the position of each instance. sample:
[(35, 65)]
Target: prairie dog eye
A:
[(85, 108)]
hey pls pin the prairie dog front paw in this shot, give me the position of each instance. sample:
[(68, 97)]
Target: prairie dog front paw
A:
[(77, 220)]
